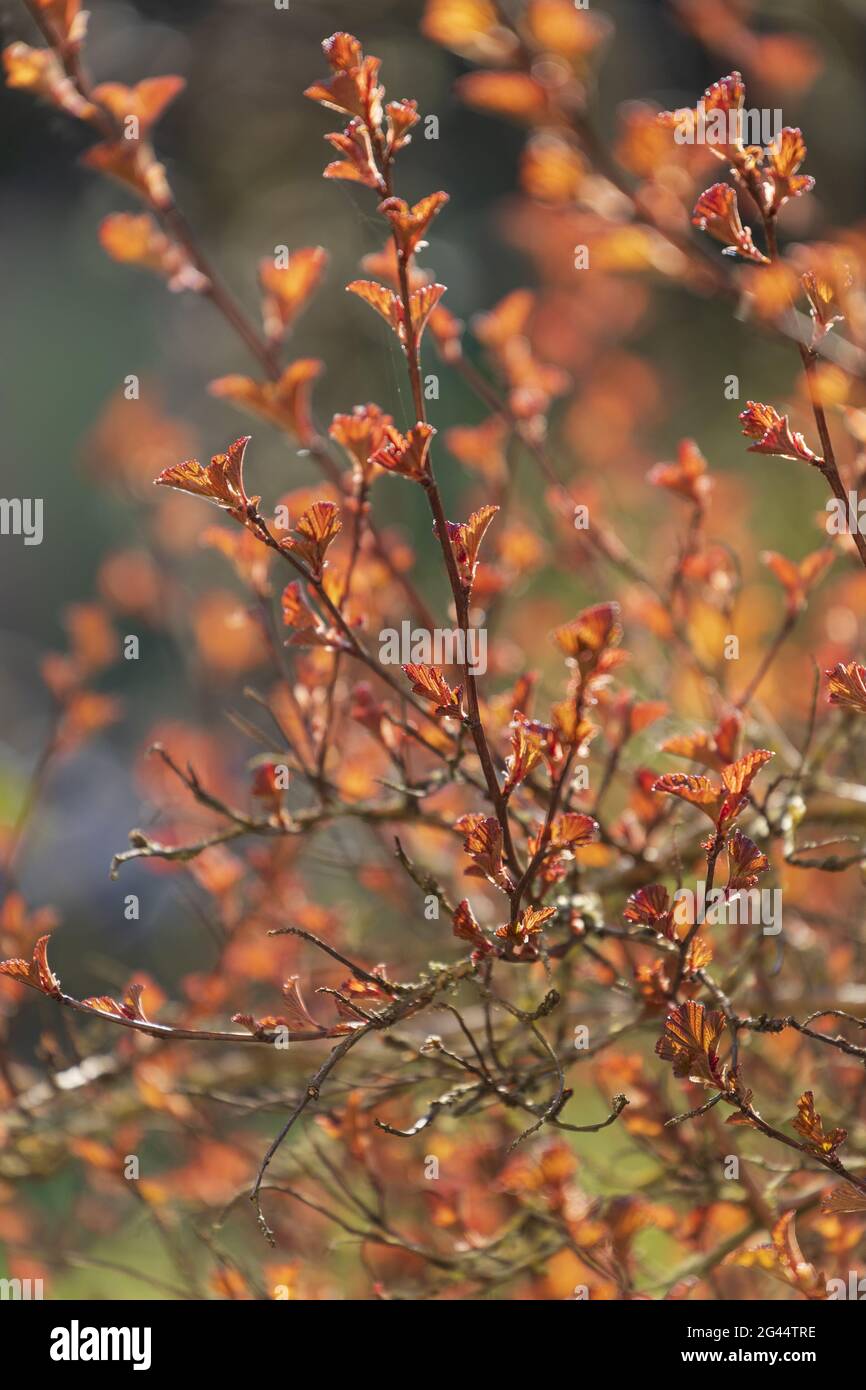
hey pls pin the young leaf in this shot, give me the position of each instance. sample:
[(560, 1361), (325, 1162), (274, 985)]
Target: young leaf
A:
[(691, 1041)]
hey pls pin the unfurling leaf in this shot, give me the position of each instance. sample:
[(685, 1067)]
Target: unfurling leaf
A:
[(722, 803), (35, 972), (144, 103), (314, 532), (651, 907), (130, 1007), (285, 402), (809, 1123), (773, 434), (410, 223), (522, 936), (483, 844), (286, 290), (389, 306), (716, 749), (466, 538), (798, 579), (717, 214), (722, 103), (691, 1041), (784, 159), (847, 686), (467, 928), (822, 299), (689, 476), (362, 434), (39, 70), (527, 750), (358, 164), (588, 636), (745, 862), (844, 1199), (137, 240), (405, 454), (353, 88), (430, 684), (573, 830), (221, 481)]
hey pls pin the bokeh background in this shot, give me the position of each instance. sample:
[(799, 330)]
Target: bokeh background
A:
[(245, 151)]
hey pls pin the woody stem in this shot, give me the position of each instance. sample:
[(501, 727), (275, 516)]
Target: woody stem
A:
[(459, 593)]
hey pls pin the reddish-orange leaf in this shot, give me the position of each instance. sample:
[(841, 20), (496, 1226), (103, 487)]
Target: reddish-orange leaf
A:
[(572, 830), (470, 27), (138, 108), (481, 447), (130, 1007), (294, 611), (516, 95), (138, 240), (590, 632), (809, 1123), (773, 433), (527, 926), (821, 295), (726, 97), (717, 214), (526, 751), (423, 303), (713, 750), (358, 164), (36, 972), (315, 531), (745, 862), (361, 434), (401, 117), (483, 844), (785, 157), (380, 298), (466, 538), (698, 791), (844, 1199), (430, 684), (286, 402), (798, 579), (131, 163), (651, 907), (221, 482), (287, 290), (353, 87), (40, 71), (691, 1041), (405, 454), (689, 476), (847, 686), (410, 224), (467, 929), (738, 776)]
